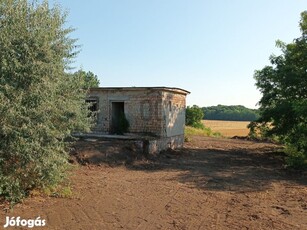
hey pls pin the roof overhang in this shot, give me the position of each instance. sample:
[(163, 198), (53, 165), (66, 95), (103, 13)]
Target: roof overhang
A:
[(159, 88)]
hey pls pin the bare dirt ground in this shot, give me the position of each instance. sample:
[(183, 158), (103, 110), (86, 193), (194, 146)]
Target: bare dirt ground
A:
[(210, 184)]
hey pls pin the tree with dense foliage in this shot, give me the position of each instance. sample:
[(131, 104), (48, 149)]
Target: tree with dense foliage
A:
[(89, 79), (194, 116), (40, 104), (283, 106), (230, 113)]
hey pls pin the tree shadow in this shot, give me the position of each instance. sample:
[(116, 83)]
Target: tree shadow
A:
[(239, 169), (219, 170)]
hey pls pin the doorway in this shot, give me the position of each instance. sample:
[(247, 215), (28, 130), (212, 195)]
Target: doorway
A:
[(118, 110)]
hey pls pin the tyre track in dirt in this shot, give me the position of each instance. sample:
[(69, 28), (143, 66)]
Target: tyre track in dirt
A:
[(210, 184)]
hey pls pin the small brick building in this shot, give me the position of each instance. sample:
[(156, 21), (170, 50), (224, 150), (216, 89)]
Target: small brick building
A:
[(157, 112)]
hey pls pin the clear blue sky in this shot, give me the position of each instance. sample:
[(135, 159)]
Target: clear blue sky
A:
[(210, 48)]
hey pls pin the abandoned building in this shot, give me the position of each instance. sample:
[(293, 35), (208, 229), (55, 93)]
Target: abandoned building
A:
[(157, 113)]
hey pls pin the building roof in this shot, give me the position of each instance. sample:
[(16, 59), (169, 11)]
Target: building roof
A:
[(160, 88)]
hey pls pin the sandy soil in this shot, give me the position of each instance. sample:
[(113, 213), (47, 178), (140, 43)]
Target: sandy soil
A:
[(210, 184)]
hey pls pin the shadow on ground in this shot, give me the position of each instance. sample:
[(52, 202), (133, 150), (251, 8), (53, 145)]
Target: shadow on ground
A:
[(205, 163)]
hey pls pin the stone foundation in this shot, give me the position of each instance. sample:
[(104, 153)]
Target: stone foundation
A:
[(155, 146), (141, 144)]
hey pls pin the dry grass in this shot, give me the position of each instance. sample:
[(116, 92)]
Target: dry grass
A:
[(206, 132), (228, 128)]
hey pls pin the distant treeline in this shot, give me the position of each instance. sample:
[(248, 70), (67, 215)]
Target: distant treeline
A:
[(230, 113)]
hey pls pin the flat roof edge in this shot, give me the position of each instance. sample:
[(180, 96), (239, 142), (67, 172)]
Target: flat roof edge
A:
[(171, 89)]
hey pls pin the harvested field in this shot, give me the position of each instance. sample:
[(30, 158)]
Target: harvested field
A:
[(228, 128), (212, 183)]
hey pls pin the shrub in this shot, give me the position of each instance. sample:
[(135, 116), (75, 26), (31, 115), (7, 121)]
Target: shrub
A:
[(194, 116), (295, 159), (40, 105), (123, 124), (283, 105)]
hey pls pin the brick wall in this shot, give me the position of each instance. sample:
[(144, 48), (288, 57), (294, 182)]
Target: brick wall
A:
[(151, 111), (173, 113)]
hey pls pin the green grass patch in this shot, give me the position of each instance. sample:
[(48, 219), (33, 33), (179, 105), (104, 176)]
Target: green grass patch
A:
[(191, 131)]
